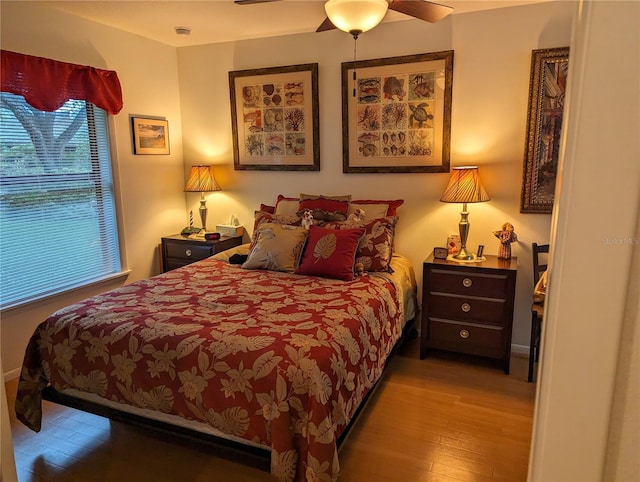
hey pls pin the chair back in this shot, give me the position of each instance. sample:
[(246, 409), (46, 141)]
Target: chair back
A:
[(538, 266)]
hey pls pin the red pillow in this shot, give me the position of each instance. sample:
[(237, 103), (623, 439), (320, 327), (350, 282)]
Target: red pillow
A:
[(376, 246), (325, 208), (330, 253), (392, 206), (267, 209)]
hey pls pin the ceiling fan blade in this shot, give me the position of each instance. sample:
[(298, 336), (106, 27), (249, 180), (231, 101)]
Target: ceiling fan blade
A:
[(326, 25), (422, 9), (251, 2)]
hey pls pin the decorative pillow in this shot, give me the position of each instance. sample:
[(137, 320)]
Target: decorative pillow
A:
[(261, 217), (371, 211), (325, 208), (287, 206), (392, 206), (277, 247), (267, 209), (376, 246), (330, 253)]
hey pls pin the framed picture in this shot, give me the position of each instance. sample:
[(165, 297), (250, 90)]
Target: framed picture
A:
[(396, 113), (547, 89), (274, 118), (150, 135)]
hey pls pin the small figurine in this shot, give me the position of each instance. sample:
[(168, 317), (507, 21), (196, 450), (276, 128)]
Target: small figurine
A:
[(307, 219), (506, 236), (359, 269), (356, 217)]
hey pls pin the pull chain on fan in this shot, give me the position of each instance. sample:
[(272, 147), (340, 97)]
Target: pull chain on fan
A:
[(355, 34)]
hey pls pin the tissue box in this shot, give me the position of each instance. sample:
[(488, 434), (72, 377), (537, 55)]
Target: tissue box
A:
[(228, 230)]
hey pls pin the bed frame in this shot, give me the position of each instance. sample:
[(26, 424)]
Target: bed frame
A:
[(236, 451)]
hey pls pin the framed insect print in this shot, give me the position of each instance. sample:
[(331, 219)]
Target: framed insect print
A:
[(274, 118), (396, 113)]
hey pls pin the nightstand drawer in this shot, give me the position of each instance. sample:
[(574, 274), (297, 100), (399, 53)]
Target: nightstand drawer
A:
[(488, 310), (472, 338), (178, 250), (191, 252), (469, 283)]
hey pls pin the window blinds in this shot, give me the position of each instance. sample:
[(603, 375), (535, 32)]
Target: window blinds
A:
[(58, 227)]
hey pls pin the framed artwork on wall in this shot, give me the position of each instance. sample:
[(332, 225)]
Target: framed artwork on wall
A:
[(150, 135), (396, 113), (547, 88), (275, 118)]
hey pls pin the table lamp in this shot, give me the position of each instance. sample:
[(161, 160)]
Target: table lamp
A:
[(464, 187), (201, 179)]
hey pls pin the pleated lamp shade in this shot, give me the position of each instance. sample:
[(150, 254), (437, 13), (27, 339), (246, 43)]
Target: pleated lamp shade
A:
[(201, 179), (464, 187)]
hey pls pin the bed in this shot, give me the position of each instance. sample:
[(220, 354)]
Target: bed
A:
[(273, 360)]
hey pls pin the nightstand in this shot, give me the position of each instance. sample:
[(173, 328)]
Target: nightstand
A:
[(468, 307), (178, 250)]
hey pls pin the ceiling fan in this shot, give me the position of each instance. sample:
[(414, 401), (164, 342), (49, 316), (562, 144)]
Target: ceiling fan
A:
[(420, 9)]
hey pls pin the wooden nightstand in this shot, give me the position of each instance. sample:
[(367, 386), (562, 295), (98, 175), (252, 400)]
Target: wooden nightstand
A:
[(178, 250), (468, 307)]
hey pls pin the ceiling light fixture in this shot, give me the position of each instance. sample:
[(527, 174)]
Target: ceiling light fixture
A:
[(182, 30), (356, 16)]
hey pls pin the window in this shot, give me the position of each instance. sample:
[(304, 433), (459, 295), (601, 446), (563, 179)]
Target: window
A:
[(57, 213)]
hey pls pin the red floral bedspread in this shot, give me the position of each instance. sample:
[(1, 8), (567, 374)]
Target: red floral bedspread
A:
[(278, 359)]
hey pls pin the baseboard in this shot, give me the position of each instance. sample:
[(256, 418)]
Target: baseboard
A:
[(520, 350), (11, 374)]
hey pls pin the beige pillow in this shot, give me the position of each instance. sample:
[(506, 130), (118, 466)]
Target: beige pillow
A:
[(287, 207), (277, 247), (371, 211)]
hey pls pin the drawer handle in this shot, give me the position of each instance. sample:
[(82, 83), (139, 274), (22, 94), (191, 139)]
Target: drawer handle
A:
[(187, 252), (464, 334), (466, 307), (467, 282)]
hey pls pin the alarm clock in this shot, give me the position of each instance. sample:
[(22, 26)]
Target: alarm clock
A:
[(211, 236), (440, 253)]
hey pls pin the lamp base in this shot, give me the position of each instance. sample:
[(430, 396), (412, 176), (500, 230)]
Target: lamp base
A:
[(463, 254), (203, 212), (473, 259)]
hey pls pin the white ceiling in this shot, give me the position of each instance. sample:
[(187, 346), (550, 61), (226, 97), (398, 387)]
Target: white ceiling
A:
[(213, 21)]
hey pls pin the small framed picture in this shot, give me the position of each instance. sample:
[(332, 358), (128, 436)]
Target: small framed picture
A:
[(150, 135)]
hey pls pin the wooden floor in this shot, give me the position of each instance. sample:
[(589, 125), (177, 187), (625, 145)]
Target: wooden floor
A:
[(445, 419)]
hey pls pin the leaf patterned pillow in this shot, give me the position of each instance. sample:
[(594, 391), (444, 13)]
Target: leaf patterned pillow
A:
[(330, 253), (376, 246), (261, 217), (277, 247)]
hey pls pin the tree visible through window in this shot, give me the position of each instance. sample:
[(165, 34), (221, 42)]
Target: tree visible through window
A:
[(57, 216)]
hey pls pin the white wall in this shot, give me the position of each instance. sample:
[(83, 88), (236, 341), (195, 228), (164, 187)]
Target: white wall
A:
[(587, 425), (490, 94), (152, 203)]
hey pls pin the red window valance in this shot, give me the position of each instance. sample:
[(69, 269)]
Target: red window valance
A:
[(47, 84)]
